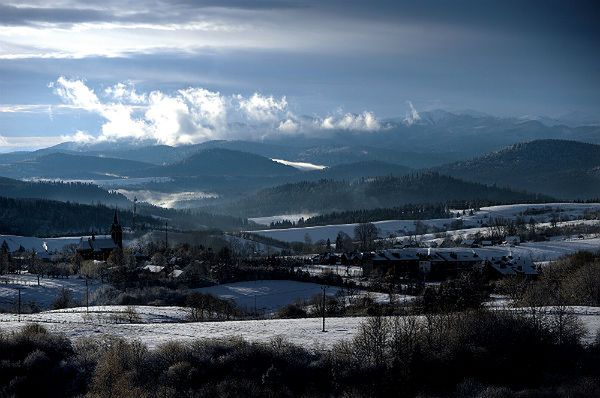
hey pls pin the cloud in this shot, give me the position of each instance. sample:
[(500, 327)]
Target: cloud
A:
[(288, 126), (366, 121), (125, 92), (79, 136), (10, 143), (261, 108), (193, 115), (412, 116)]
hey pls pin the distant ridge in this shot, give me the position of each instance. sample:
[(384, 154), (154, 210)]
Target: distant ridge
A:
[(560, 168), (381, 192)]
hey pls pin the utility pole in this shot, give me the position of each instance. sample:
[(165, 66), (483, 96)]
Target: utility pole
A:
[(87, 296), (166, 236), (19, 303), (323, 307)]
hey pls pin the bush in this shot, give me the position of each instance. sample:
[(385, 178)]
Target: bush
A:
[(292, 311), (64, 299)]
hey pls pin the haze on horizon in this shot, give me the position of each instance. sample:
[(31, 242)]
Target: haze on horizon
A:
[(189, 71)]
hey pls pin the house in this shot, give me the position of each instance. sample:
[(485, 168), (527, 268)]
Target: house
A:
[(430, 263), (354, 258), (398, 262), (94, 248), (508, 265)]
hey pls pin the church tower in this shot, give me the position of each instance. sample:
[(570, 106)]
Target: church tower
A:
[(116, 232)]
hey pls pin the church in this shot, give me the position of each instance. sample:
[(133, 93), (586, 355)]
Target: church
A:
[(94, 248)]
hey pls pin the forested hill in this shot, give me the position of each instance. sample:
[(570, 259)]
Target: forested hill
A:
[(406, 212), (222, 162), (44, 218), (560, 168), (61, 191), (328, 196), (71, 166), (350, 171)]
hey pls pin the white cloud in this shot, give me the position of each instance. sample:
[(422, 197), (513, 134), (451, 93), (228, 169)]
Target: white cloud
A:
[(288, 126), (206, 107), (76, 93), (194, 115), (9, 143), (412, 116), (366, 121), (79, 136), (261, 108), (125, 92)]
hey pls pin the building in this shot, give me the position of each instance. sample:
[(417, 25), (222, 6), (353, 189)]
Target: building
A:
[(99, 248), (433, 264), (497, 267)]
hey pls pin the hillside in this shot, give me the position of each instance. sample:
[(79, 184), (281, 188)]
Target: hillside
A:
[(70, 166), (222, 162), (563, 169), (37, 217), (329, 195), (371, 168), (61, 191)]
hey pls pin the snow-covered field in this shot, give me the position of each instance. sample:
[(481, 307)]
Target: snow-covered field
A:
[(267, 295), (247, 246), (75, 324), (386, 228), (566, 212), (270, 295), (42, 295), (537, 251)]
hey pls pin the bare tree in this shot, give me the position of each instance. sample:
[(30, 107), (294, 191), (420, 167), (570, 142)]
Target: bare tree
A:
[(365, 234)]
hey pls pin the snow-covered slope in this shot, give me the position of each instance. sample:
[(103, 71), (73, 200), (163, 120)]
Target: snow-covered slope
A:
[(539, 212), (75, 324)]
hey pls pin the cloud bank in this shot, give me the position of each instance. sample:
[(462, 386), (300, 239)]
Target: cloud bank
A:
[(195, 114)]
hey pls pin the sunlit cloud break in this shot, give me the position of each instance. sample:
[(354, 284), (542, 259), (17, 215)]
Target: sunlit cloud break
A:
[(194, 115)]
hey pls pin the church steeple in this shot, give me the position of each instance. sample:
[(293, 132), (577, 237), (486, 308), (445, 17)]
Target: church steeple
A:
[(116, 232)]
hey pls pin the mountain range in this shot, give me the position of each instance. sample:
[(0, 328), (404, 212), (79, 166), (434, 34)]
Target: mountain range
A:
[(503, 154), (381, 192), (563, 169)]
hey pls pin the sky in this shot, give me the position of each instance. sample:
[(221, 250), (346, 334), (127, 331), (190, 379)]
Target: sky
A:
[(188, 71)]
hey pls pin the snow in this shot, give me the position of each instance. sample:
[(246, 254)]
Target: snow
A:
[(304, 166), (249, 246), (542, 251), (32, 243), (330, 231), (568, 212), (269, 295), (44, 294), (76, 325), (166, 326), (153, 268)]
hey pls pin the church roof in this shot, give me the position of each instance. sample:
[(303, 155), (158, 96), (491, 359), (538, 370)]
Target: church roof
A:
[(97, 244)]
